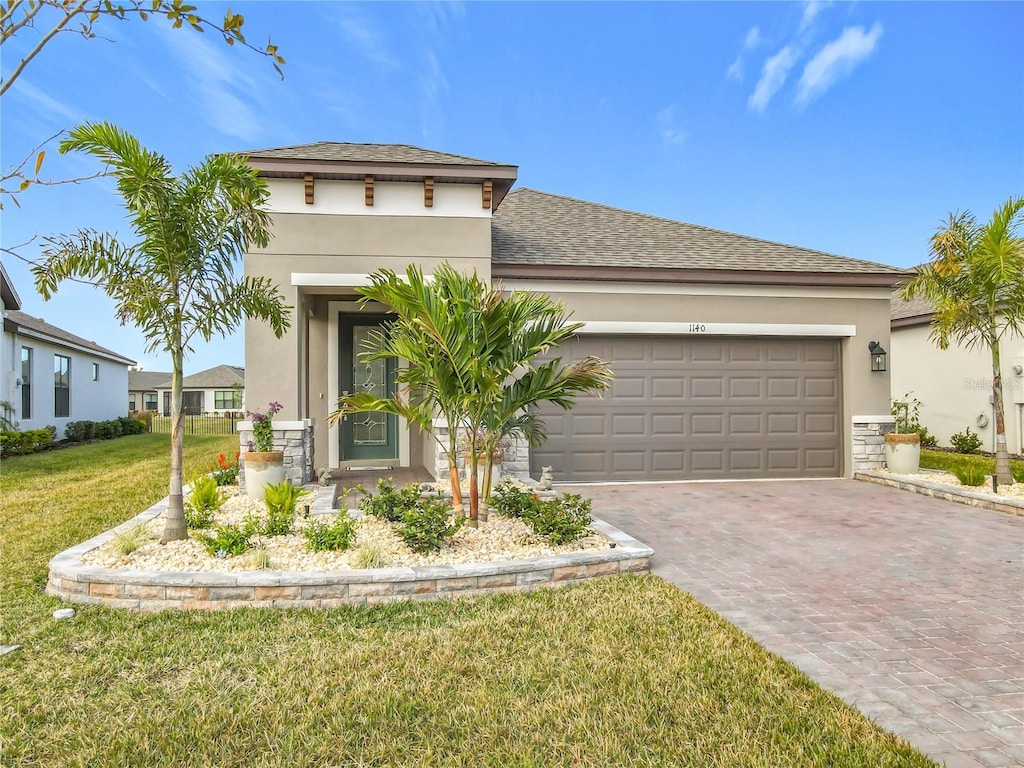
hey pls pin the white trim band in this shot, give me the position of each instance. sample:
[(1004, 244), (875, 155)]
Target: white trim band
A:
[(715, 329), (874, 419), (330, 279)]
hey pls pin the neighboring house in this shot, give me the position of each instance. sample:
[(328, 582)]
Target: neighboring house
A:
[(142, 390), (954, 385), (219, 390), (734, 357), (10, 301), (53, 377)]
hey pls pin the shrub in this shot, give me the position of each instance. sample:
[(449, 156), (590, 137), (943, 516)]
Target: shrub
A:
[(80, 431), (260, 559), (511, 501), (1017, 472), (145, 419), (227, 540), (966, 442), (369, 555), (908, 419), (130, 540), (27, 441), (390, 503), (280, 499), (560, 520), (427, 525), (131, 426), (108, 430), (336, 537), (971, 475), (203, 502)]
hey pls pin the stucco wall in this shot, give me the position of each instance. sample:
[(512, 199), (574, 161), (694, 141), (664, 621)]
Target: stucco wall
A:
[(955, 385), (106, 398)]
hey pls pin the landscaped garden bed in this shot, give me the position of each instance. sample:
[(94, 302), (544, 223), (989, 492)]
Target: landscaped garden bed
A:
[(944, 485)]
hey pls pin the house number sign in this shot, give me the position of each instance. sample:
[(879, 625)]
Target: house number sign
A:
[(698, 328)]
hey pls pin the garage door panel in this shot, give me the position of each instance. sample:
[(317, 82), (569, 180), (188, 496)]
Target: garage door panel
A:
[(698, 407)]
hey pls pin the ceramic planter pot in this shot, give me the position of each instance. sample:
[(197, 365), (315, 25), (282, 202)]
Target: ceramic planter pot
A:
[(480, 467), (262, 468), (903, 453)]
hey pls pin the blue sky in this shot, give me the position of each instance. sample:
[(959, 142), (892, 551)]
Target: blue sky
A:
[(852, 128)]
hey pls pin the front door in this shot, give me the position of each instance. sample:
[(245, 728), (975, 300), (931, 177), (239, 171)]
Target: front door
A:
[(366, 435)]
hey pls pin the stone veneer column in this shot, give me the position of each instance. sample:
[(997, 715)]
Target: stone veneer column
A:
[(516, 462), (295, 438), (869, 440)]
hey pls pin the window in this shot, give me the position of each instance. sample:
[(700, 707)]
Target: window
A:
[(150, 398), (131, 402), (192, 402), (229, 400), (61, 386), (167, 403), (95, 371), (26, 382)]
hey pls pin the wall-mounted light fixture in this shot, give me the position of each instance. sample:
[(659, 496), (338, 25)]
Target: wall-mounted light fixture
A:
[(877, 356)]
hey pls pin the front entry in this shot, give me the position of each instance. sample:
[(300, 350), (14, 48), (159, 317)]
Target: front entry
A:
[(365, 435)]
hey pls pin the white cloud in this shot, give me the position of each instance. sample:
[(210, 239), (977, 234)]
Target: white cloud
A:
[(225, 89), (773, 75), (811, 10), (365, 39), (836, 60), (735, 70), (433, 84), (46, 104), (753, 38), (668, 127)]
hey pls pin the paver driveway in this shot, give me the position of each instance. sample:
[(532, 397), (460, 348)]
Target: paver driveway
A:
[(910, 608)]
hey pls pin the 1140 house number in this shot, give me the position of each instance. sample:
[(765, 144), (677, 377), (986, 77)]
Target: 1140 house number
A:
[(698, 328)]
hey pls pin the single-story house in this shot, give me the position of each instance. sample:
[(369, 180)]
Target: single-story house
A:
[(218, 391), (142, 389), (734, 357), (51, 376), (954, 385)]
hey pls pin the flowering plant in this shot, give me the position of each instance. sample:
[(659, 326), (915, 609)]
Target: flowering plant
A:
[(263, 428), (225, 471), (479, 440)]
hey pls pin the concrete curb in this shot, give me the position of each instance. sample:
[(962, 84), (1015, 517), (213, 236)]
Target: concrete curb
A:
[(970, 497)]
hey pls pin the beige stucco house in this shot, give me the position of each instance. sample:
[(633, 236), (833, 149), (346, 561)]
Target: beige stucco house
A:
[(734, 357), (954, 385), (217, 391)]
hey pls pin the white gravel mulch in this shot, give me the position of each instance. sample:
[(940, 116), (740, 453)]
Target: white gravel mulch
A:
[(1015, 491), (500, 538)]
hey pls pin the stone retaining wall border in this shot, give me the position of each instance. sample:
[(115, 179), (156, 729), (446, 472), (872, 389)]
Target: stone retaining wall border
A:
[(970, 497), (72, 580)]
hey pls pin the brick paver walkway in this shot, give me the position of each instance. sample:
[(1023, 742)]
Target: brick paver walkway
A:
[(909, 608)]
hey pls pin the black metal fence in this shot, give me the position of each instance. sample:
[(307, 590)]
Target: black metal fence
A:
[(200, 424)]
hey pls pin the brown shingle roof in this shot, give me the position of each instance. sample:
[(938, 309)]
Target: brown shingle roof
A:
[(25, 322), (341, 151), (225, 376), (146, 381), (539, 228)]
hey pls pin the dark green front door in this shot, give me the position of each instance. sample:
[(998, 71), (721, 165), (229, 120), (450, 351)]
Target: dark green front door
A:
[(366, 435)]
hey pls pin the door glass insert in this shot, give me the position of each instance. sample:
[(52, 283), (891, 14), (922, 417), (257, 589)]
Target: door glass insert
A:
[(371, 377)]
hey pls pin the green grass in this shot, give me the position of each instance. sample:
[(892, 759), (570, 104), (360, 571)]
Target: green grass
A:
[(622, 671), (951, 462)]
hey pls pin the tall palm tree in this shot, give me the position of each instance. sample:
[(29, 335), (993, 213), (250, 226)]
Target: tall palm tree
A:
[(975, 282), (176, 281), (471, 355)]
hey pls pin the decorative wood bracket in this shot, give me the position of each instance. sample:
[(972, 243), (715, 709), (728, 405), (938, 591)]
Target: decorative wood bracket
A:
[(308, 179), (428, 192), (488, 189), (369, 190)]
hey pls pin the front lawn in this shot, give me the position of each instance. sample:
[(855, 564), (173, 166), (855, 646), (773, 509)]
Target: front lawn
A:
[(623, 671)]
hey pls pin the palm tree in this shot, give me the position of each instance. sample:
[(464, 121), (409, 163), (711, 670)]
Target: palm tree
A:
[(471, 355), (975, 283), (176, 282)]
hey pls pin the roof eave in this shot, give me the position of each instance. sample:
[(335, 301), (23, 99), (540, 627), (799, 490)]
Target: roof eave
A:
[(909, 322), (670, 275)]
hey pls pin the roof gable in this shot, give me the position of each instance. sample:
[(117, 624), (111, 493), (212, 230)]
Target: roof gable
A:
[(20, 322), (218, 377), (347, 152), (539, 228)]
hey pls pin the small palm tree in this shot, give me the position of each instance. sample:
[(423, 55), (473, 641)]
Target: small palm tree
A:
[(975, 282), (471, 356), (176, 282)]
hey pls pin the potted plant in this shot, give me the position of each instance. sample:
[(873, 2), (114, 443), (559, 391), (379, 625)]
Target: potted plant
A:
[(902, 449), (485, 445), (263, 465)]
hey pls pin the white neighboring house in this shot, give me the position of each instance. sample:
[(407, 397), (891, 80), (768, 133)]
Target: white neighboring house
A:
[(217, 391), (52, 376), (954, 385)]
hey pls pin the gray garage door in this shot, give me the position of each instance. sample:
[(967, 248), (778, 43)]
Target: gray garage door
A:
[(700, 408)]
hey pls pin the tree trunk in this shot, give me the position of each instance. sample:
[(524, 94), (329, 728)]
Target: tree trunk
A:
[(174, 517), (453, 470), (486, 493), (474, 491), (1003, 476)]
